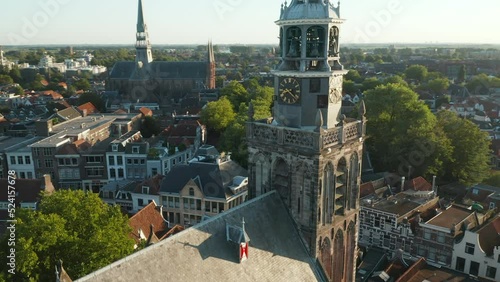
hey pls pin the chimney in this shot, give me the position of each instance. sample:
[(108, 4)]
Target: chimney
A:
[(402, 183), (434, 187), (48, 186), (84, 113)]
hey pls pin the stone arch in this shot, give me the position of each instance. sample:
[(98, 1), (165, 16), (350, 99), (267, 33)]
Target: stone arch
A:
[(293, 42), (338, 263), (341, 187), (281, 183), (326, 257), (350, 252), (261, 166), (328, 196), (354, 182)]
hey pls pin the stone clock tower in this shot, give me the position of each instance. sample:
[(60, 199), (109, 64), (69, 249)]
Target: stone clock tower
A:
[(307, 151)]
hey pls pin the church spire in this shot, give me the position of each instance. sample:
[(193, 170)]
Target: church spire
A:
[(143, 53), (210, 66)]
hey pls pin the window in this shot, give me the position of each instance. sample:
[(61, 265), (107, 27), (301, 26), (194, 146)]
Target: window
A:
[(27, 160), (47, 151), (191, 192), (185, 203), (94, 171), (475, 191), (140, 202), (322, 101), (49, 163), (474, 268), (315, 85), (491, 272), (30, 175), (119, 160), (38, 164), (441, 238), (143, 161), (427, 234), (135, 149), (111, 160), (20, 160), (154, 171), (36, 151), (469, 248), (112, 173), (12, 160), (145, 190), (492, 205), (93, 159), (120, 172), (129, 161), (136, 161), (114, 147), (22, 175)]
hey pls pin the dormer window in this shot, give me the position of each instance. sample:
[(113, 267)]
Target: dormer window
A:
[(145, 190), (114, 147), (191, 192), (135, 149)]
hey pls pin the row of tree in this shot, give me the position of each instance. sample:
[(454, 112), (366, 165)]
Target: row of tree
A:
[(405, 137)]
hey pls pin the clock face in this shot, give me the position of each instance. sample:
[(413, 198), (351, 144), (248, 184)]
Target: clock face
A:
[(335, 90), (289, 90)]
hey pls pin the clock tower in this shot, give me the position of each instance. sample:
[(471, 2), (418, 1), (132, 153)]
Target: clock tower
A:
[(308, 151)]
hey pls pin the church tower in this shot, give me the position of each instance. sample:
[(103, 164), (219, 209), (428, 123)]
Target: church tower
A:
[(210, 66), (308, 151), (143, 53)]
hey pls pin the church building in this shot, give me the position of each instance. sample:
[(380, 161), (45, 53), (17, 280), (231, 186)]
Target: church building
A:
[(146, 80), (308, 151)]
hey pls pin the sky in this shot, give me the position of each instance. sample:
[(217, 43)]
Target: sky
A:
[(73, 22)]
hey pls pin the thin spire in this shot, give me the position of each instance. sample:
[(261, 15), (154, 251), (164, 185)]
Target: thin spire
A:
[(211, 56), (140, 19)]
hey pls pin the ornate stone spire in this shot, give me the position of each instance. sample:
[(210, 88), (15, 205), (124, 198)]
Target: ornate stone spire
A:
[(319, 120), (362, 109), (143, 51), (140, 19)]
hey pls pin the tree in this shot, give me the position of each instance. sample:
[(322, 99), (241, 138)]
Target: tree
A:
[(493, 179), (16, 75), (218, 115), (371, 83), (395, 79), (402, 132), (5, 79), (470, 156), (236, 93), (354, 75), (438, 85), (93, 98), (73, 226), (82, 84), (149, 127), (350, 87), (416, 72)]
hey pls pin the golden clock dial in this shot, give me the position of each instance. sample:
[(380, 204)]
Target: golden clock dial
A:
[(289, 90)]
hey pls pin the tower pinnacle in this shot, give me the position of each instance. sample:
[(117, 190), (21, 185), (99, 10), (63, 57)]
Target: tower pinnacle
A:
[(142, 45)]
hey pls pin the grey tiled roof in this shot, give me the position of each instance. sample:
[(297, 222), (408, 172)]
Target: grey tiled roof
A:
[(202, 252), (122, 70), (163, 70)]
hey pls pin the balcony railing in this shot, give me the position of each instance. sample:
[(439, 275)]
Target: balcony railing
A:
[(272, 134)]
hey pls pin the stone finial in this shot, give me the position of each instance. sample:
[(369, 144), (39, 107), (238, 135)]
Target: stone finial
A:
[(362, 109), (251, 111), (319, 120)]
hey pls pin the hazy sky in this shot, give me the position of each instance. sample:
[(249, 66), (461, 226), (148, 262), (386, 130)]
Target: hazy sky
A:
[(242, 21)]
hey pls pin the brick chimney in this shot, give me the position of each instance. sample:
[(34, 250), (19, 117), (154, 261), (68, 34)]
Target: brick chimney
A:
[(48, 186)]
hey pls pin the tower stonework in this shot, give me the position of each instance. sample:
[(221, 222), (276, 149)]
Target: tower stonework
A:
[(307, 151)]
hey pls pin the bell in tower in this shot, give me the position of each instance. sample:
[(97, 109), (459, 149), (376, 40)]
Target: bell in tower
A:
[(308, 152)]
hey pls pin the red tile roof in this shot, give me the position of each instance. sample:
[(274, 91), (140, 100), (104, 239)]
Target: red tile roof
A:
[(418, 184), (146, 112), (53, 94), (143, 220), (153, 183), (489, 236), (366, 189), (89, 107)]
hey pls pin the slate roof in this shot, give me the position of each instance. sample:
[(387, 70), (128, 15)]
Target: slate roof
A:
[(163, 70), (28, 190), (69, 113), (212, 179), (202, 252), (122, 70), (153, 183), (143, 148)]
